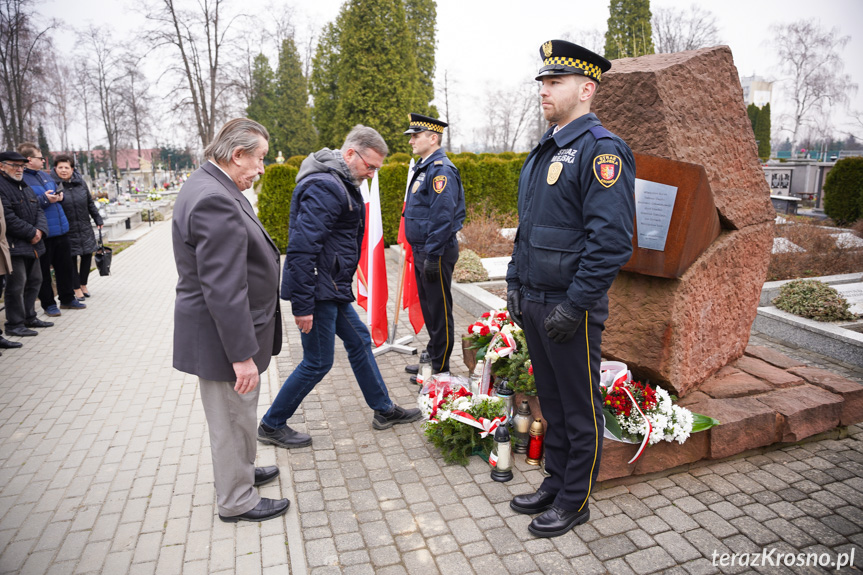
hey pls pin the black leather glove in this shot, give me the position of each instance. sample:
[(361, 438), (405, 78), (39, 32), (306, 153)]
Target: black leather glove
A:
[(431, 269), (513, 305), (562, 322)]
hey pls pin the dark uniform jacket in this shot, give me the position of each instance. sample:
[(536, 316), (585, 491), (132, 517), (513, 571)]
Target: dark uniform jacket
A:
[(434, 209), (79, 206), (325, 234), (23, 216), (576, 206)]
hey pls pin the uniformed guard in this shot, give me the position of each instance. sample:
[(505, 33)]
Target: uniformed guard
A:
[(576, 205), (434, 213)]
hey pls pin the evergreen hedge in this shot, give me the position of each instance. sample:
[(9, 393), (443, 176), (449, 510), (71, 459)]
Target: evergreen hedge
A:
[(487, 178), (843, 191)]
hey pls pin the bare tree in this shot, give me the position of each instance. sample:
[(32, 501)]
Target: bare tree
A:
[(678, 30), (199, 36), (61, 102), (810, 58), (137, 98), (82, 85), (446, 92), (107, 74), (590, 38), (23, 50), (510, 114)]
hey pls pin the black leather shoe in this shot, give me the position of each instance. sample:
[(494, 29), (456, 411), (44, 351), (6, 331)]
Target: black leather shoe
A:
[(21, 332), (413, 368), (266, 509), (530, 503), (396, 416), (556, 522), (6, 344), (38, 323), (414, 380), (265, 474), (284, 437)]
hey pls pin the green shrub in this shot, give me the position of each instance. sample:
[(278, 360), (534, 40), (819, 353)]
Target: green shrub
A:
[(469, 268), (490, 180), (399, 158), (295, 161), (274, 201), (843, 191), (157, 216), (814, 300)]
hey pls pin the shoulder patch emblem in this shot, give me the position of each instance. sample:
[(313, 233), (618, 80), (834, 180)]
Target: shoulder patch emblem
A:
[(439, 163), (439, 183), (606, 168), (554, 171), (415, 188)]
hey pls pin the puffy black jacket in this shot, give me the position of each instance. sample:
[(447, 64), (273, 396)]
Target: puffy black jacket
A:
[(79, 207), (24, 216), (325, 234)]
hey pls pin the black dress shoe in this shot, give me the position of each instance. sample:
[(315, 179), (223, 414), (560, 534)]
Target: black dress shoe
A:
[(414, 380), (556, 522), (265, 474), (266, 509), (21, 331), (38, 323), (413, 368), (284, 437), (6, 344), (530, 503)]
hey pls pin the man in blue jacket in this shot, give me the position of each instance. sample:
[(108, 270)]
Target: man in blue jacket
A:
[(25, 228), (326, 231), (434, 213), (57, 251), (576, 205)]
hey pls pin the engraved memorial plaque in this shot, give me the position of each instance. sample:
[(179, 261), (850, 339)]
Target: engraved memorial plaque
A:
[(654, 203)]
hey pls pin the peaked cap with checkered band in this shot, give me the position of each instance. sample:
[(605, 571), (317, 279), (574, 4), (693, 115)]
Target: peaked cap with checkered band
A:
[(560, 57), (420, 123)]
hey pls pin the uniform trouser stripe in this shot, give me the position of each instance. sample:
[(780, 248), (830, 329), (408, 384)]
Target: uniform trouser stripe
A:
[(446, 314), (593, 412)]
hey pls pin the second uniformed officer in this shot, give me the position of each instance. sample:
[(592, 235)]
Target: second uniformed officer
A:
[(575, 205), (434, 213)]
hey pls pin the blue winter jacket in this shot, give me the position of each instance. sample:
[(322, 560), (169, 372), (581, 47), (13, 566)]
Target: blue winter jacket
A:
[(325, 234), (41, 183)]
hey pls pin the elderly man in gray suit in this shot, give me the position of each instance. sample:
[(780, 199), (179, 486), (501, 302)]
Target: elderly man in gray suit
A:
[(226, 318)]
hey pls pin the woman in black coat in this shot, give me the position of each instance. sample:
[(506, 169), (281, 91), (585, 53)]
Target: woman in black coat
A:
[(79, 207)]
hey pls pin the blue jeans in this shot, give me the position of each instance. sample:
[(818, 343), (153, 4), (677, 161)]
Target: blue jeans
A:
[(331, 319)]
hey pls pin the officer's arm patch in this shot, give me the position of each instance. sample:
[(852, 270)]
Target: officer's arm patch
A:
[(439, 183), (439, 163), (606, 168)]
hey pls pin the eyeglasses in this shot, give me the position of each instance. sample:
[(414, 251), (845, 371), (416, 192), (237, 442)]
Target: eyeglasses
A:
[(13, 166), (42, 158), (369, 167)]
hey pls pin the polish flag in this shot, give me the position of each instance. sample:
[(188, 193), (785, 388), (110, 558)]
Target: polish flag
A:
[(410, 295), (372, 273)]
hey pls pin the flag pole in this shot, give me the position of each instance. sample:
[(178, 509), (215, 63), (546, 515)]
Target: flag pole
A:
[(392, 344)]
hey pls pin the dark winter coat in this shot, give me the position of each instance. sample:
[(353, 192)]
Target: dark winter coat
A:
[(42, 184), (23, 216), (79, 207), (325, 233)]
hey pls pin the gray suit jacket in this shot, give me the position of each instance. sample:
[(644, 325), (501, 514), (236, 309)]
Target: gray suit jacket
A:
[(227, 306)]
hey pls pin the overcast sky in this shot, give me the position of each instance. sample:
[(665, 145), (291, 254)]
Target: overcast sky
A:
[(489, 45)]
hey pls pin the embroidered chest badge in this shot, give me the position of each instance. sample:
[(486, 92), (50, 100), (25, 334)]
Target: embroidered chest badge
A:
[(606, 168), (415, 188), (554, 171), (439, 183)]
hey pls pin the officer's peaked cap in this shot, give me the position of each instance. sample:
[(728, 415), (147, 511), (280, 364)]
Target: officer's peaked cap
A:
[(420, 123), (560, 57)]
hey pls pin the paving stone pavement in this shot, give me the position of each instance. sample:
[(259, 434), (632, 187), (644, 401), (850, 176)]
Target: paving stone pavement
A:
[(105, 468)]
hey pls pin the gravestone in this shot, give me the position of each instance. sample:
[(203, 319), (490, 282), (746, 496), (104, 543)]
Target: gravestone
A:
[(688, 107)]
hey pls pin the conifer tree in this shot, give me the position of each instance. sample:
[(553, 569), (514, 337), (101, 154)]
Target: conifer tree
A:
[(762, 132), (324, 84), (262, 101), (42, 141), (422, 24), (752, 112), (629, 31), (377, 80), (295, 134)]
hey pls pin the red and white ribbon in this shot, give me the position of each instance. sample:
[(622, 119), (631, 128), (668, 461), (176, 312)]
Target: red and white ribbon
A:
[(486, 426), (615, 373), (508, 346)]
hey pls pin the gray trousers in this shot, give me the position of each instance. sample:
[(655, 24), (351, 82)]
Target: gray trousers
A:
[(22, 287), (232, 419)]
